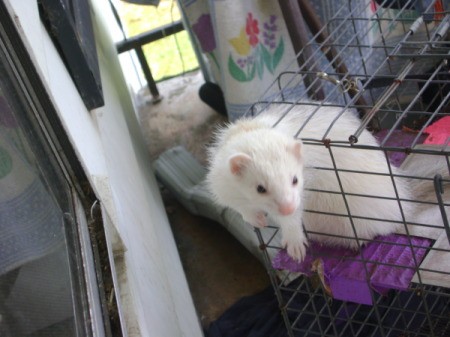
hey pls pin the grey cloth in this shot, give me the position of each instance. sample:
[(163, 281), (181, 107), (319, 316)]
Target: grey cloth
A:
[(143, 2)]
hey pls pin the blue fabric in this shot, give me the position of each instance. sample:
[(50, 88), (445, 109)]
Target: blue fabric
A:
[(259, 315), (253, 316)]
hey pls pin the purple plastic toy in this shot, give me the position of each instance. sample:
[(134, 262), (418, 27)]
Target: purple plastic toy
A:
[(388, 262)]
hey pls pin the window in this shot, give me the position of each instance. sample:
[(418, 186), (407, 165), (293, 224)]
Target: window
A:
[(48, 283)]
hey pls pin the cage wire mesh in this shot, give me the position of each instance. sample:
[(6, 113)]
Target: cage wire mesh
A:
[(388, 61)]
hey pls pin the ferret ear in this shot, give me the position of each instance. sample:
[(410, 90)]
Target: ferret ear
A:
[(238, 162), (296, 150)]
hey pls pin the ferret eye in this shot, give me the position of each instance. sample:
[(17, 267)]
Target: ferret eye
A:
[(261, 189), (295, 180)]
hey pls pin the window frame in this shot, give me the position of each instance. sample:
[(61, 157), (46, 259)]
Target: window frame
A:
[(69, 185)]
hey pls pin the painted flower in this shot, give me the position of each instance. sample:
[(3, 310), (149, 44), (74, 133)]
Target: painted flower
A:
[(252, 30), (241, 62), (240, 43), (203, 29), (257, 49), (270, 28)]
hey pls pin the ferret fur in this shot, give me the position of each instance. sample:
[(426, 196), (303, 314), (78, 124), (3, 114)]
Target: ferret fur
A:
[(252, 152), (426, 219)]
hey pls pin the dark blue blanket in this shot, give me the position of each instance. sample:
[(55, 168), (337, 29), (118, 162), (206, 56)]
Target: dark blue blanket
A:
[(259, 315), (253, 316)]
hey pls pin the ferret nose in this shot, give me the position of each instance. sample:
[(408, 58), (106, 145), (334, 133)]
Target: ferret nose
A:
[(286, 209)]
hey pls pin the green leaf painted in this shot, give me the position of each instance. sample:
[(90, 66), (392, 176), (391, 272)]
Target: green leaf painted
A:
[(278, 54), (267, 58), (251, 75), (236, 72), (259, 64)]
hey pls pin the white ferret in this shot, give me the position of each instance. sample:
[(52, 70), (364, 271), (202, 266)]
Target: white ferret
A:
[(261, 171), (426, 219)]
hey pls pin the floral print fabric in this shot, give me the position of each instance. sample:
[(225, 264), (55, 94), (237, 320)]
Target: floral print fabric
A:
[(247, 44), (256, 49)]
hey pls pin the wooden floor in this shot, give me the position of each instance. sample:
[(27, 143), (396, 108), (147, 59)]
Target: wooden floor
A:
[(218, 268)]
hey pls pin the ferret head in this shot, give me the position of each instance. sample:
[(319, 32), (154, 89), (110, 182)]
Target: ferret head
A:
[(270, 174)]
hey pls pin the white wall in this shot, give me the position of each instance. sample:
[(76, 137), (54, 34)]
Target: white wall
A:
[(109, 145)]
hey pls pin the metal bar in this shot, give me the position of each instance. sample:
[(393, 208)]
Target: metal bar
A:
[(358, 240), (439, 188), (297, 31), (148, 75), (403, 73), (330, 51), (321, 37), (150, 36), (136, 43), (273, 279)]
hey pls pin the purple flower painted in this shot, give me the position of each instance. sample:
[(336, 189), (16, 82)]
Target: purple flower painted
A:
[(241, 62), (270, 28), (258, 43), (204, 31)]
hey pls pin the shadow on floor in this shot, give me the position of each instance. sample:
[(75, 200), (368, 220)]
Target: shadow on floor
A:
[(218, 268)]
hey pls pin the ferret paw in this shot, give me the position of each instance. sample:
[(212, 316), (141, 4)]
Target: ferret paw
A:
[(261, 220), (258, 220), (296, 247)]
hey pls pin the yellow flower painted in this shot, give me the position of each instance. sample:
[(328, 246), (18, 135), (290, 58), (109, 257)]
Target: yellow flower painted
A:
[(241, 44)]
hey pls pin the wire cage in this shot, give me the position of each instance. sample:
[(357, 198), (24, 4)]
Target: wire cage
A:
[(388, 61)]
